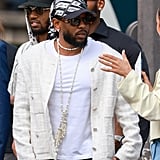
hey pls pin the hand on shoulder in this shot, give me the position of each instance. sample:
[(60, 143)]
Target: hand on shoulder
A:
[(115, 64)]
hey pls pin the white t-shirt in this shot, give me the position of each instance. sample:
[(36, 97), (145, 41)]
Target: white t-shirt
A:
[(77, 143)]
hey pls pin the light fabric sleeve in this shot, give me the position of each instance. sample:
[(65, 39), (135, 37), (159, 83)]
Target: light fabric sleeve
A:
[(13, 78), (132, 141), (21, 116), (137, 93)]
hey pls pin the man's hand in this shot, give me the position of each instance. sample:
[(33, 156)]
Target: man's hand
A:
[(14, 148), (118, 132), (12, 100)]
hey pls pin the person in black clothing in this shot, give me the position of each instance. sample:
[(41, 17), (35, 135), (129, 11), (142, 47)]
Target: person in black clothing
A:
[(119, 41)]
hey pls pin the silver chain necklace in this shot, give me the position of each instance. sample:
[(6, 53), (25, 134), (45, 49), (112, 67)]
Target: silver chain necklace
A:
[(61, 131), (67, 49)]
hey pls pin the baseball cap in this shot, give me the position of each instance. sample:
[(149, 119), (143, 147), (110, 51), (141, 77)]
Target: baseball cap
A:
[(69, 8), (36, 3)]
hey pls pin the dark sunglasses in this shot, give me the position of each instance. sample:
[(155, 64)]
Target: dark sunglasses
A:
[(38, 10), (87, 20)]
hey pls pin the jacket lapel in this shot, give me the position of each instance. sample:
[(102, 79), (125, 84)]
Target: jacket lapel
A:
[(47, 78)]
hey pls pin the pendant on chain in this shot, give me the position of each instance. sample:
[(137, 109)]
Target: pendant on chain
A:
[(61, 132)]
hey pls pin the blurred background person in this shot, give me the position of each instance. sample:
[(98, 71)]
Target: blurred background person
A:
[(7, 53), (37, 23)]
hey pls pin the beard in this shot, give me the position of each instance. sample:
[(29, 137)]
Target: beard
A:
[(40, 31), (71, 40)]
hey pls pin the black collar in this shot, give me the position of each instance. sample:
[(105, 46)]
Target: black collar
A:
[(101, 31)]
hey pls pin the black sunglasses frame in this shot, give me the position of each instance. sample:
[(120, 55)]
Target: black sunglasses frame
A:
[(38, 10), (87, 20)]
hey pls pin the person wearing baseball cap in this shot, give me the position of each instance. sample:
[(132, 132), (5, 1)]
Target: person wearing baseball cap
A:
[(68, 9), (37, 22), (36, 3), (64, 104)]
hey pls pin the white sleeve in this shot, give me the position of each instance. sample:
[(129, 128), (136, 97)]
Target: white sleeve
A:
[(21, 116), (128, 120), (13, 78)]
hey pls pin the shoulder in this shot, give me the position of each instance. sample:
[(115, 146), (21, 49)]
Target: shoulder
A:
[(118, 34), (122, 39), (11, 49), (37, 50), (119, 41), (105, 48), (23, 47), (40, 46), (6, 44), (116, 39), (7, 48), (2, 43), (11, 46), (2, 47)]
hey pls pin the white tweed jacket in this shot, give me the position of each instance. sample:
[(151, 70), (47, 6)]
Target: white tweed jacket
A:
[(31, 125)]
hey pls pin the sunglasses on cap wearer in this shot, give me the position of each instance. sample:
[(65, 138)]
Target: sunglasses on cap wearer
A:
[(38, 10), (87, 20)]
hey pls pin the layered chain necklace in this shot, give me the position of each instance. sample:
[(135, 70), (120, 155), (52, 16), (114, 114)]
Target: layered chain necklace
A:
[(61, 131)]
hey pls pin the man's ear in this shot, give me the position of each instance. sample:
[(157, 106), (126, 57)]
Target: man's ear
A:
[(100, 4), (56, 24)]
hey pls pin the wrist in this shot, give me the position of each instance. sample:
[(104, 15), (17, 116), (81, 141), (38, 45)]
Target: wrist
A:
[(127, 72)]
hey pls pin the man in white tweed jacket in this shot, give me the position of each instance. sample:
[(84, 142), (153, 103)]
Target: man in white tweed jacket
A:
[(64, 103)]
